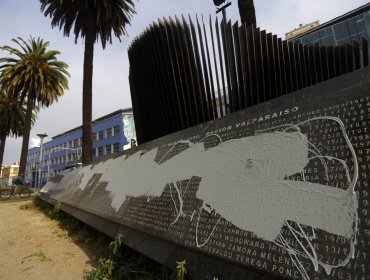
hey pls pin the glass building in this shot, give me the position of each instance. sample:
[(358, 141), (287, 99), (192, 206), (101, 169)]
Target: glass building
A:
[(342, 30), (112, 133)]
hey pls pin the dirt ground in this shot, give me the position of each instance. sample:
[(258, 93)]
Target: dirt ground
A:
[(33, 247)]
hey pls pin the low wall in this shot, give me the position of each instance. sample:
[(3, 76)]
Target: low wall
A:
[(278, 190)]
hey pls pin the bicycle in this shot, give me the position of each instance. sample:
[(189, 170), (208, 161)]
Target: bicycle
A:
[(22, 191)]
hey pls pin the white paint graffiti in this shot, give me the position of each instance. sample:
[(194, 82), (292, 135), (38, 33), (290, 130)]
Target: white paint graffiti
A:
[(245, 182)]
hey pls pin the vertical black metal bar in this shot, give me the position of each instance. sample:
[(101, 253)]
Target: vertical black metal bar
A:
[(233, 91), (343, 55), (169, 75), (253, 97), (261, 96), (202, 89), (165, 83), (177, 79), (298, 63), (191, 70), (224, 103), (219, 98), (182, 72), (350, 60), (283, 68), (272, 66), (278, 67), (187, 75), (356, 54), (313, 66), (324, 63), (307, 60), (159, 88), (244, 58), (288, 69), (205, 73), (196, 95), (145, 71), (318, 63), (266, 67), (331, 62), (239, 68), (365, 52), (227, 66), (293, 66), (135, 90), (303, 67), (338, 62), (213, 95)]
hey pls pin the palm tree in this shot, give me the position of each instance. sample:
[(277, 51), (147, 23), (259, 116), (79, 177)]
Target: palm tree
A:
[(247, 12), (33, 74), (12, 117), (91, 20)]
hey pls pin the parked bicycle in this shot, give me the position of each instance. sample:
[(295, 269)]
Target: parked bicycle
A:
[(22, 191)]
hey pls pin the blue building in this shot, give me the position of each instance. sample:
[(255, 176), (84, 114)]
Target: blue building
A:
[(112, 133)]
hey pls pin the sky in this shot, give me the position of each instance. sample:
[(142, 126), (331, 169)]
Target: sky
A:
[(111, 90)]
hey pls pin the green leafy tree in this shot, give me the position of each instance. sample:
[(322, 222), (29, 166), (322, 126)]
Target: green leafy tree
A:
[(92, 20), (35, 76), (12, 117), (247, 12)]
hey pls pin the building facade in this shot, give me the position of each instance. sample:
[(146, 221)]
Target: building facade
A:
[(112, 133), (301, 30), (352, 26), (8, 174)]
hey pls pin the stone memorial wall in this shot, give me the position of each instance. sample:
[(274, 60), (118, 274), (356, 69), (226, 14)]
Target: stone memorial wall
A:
[(278, 190)]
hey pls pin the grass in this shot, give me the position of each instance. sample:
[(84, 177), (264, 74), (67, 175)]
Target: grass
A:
[(115, 260), (27, 268), (40, 255)]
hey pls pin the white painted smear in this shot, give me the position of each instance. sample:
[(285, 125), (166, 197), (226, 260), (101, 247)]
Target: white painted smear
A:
[(243, 180)]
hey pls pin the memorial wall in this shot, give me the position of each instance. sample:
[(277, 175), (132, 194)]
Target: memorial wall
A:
[(277, 190)]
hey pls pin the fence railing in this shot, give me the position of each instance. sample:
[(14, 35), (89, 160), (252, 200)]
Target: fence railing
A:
[(183, 73)]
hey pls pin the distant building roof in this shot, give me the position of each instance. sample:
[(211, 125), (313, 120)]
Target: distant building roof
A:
[(98, 120), (301, 30)]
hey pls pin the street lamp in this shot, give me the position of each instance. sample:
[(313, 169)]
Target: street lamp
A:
[(41, 136), (223, 8)]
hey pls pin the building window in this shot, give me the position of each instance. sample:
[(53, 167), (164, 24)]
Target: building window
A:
[(100, 135), (115, 147), (108, 149), (116, 130), (94, 137), (75, 143), (100, 151), (108, 132)]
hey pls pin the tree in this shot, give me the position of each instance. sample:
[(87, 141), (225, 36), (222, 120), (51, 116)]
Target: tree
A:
[(92, 20), (247, 12), (12, 117), (33, 74)]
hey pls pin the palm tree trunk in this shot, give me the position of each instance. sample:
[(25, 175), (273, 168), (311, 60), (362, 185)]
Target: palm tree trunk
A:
[(26, 138), (87, 97), (247, 12), (2, 148)]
